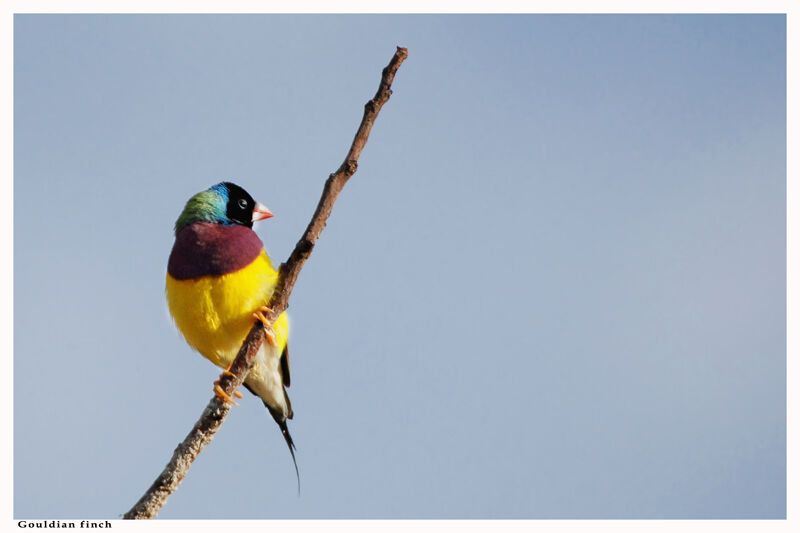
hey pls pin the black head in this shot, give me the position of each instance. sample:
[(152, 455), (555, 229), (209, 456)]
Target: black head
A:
[(240, 205)]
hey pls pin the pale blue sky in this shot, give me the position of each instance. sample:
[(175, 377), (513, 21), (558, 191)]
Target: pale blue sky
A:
[(554, 289)]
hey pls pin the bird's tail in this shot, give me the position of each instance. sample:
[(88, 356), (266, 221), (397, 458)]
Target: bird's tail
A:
[(281, 421)]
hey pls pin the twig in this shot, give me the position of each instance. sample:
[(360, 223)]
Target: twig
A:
[(215, 412)]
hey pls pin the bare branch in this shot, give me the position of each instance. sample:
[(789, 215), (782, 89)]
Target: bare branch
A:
[(215, 412)]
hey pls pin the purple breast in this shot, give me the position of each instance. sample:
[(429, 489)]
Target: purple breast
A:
[(206, 249)]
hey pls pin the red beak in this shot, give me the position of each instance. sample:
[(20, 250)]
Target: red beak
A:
[(260, 212)]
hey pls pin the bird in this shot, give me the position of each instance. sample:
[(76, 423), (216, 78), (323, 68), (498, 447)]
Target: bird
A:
[(219, 280)]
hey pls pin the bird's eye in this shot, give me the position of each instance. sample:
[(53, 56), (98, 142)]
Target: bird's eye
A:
[(242, 203)]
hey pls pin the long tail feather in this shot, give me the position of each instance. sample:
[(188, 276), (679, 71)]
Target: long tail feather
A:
[(289, 442)]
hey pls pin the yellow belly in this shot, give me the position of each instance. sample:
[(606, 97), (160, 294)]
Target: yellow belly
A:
[(215, 313)]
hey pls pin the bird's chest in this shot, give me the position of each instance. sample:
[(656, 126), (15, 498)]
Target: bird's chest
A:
[(214, 313)]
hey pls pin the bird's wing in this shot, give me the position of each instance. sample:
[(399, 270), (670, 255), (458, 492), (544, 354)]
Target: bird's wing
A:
[(285, 366)]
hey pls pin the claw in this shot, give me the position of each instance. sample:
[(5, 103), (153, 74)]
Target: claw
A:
[(270, 337), (260, 316), (221, 393)]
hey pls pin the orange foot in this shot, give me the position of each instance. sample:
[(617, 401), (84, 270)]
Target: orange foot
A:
[(260, 316), (221, 393)]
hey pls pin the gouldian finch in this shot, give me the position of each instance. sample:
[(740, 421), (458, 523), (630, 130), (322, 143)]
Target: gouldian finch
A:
[(219, 278)]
